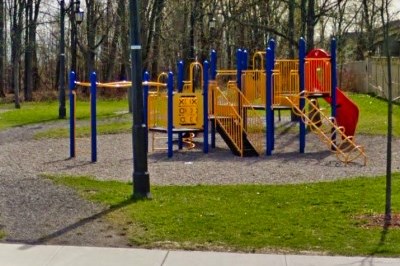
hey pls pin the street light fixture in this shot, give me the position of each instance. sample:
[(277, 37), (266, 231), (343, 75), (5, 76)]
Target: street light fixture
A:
[(78, 17), (212, 23), (79, 13)]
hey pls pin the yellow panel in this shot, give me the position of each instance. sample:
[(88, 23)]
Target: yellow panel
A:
[(157, 110), (188, 110)]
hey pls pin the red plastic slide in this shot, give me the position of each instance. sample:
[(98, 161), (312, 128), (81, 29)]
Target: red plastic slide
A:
[(346, 110)]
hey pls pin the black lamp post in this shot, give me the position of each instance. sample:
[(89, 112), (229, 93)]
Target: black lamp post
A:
[(78, 18), (141, 177)]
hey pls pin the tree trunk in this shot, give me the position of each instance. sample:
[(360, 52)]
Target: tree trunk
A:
[(310, 24), (28, 51), (110, 62), (2, 50), (32, 38), (16, 37), (291, 28), (157, 31), (91, 35), (303, 15)]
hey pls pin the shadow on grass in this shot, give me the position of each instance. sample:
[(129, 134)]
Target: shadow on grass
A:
[(384, 233), (369, 261), (45, 239)]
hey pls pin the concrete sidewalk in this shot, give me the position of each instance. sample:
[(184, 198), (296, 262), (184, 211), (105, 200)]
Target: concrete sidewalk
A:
[(28, 255)]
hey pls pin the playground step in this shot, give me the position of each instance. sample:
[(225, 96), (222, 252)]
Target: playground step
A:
[(248, 149)]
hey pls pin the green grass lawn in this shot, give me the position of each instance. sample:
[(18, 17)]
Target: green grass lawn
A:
[(30, 113), (373, 115), (318, 217), (84, 131), (372, 120), (38, 112)]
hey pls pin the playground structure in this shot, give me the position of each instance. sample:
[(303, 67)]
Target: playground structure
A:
[(93, 84), (186, 120), (233, 103)]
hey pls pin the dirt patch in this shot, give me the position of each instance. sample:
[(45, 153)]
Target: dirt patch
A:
[(378, 220)]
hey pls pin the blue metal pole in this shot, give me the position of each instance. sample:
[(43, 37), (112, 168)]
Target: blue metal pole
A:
[(245, 61), (93, 125), (239, 69), (206, 68), (272, 114), (302, 56), (72, 116), (170, 126), (181, 77), (272, 44), (213, 65), (268, 107), (146, 77), (213, 76)]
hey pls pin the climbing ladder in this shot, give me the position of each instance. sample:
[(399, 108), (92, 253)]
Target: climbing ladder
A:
[(326, 128)]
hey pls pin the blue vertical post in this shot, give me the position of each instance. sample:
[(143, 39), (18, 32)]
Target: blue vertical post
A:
[(272, 45), (180, 78), (302, 56), (181, 75), (146, 77), (170, 127), (268, 106), (239, 68), (213, 65), (72, 116), (213, 77), (93, 122), (245, 61), (206, 68)]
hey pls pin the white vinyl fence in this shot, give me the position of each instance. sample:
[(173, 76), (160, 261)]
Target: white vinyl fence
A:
[(370, 76)]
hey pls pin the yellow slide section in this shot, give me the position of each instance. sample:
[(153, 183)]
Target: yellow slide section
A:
[(328, 131)]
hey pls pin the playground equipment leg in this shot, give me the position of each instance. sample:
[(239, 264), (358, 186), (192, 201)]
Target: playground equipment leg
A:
[(205, 106), (93, 122), (302, 56), (170, 114), (268, 107), (146, 77), (72, 117)]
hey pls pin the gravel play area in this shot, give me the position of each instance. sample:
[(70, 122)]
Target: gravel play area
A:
[(34, 210)]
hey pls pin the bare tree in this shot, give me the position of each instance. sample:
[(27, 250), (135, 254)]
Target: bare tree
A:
[(291, 8), (94, 15), (311, 15), (2, 50), (16, 13), (31, 17), (370, 20), (385, 16)]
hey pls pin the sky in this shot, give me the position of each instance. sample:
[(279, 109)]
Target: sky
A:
[(396, 5)]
